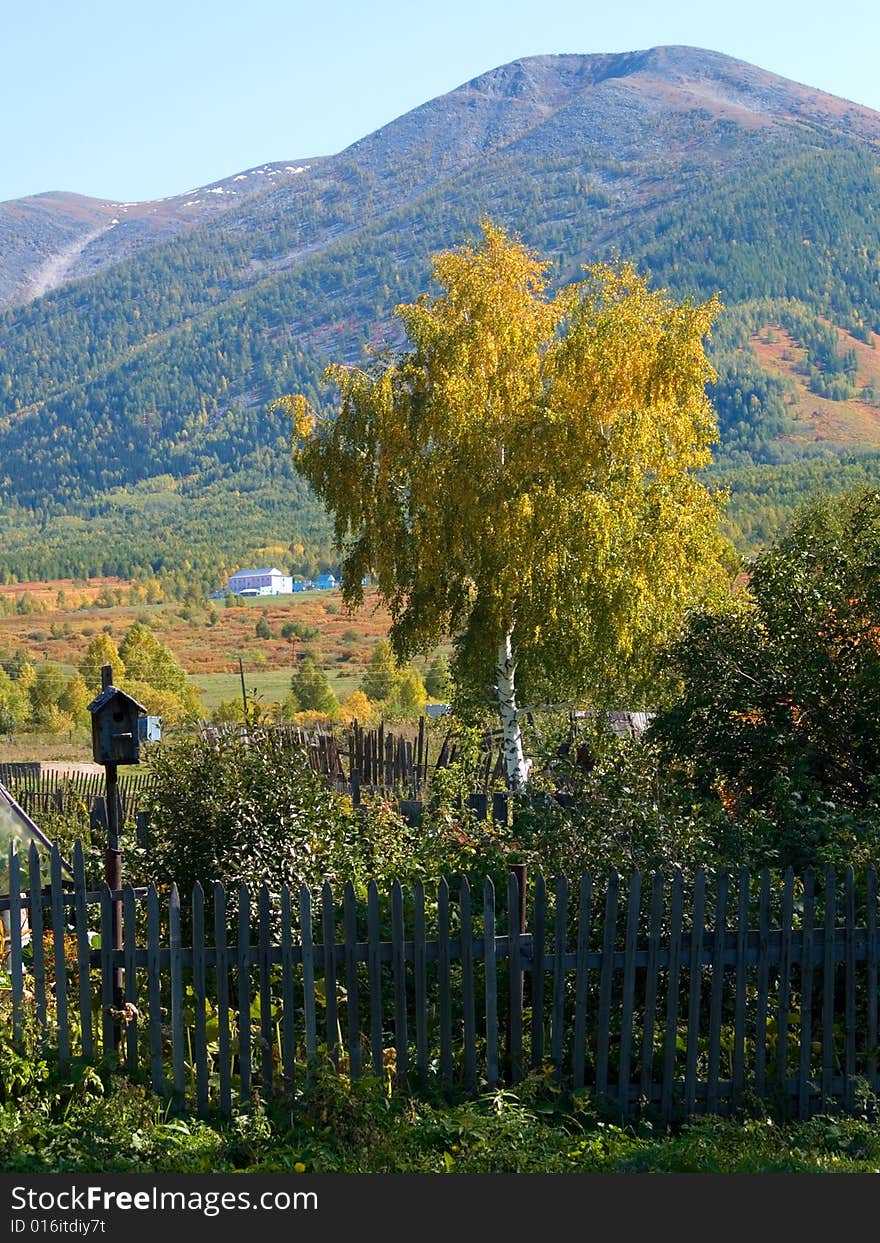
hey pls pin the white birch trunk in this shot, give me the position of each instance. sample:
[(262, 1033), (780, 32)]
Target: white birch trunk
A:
[(517, 766)]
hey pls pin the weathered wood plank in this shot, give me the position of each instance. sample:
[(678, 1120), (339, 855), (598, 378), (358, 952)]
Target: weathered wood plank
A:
[(606, 978), (264, 958), (763, 974), (328, 933), (288, 1011), (178, 1036), (157, 1070), (673, 972), (59, 931), (491, 983), (652, 970), (849, 998), (420, 981), (828, 980), (38, 944), (444, 981), (716, 1000), (536, 977), (806, 999), (129, 924), (108, 1027), (200, 989), (16, 971), (398, 962), (633, 911), (224, 1037), (581, 983), (871, 974), (243, 1009), (515, 980), (469, 1023), (784, 989), (695, 988), (374, 968), (740, 978), (352, 1009), (83, 950), (308, 968), (557, 1024)]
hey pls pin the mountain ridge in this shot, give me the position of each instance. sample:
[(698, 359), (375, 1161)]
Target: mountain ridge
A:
[(157, 353)]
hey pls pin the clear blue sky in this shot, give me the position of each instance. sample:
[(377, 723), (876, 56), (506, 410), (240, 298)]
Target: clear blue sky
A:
[(139, 101)]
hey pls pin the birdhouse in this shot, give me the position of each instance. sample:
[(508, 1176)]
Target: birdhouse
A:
[(116, 732)]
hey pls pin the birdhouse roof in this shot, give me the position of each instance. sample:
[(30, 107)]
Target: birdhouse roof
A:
[(108, 694)]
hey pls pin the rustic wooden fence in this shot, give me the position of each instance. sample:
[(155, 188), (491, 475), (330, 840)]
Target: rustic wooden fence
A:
[(658, 996), (355, 758), (40, 793)]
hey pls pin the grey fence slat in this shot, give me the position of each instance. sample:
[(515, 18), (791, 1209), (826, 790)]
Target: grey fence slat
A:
[(288, 1015), (491, 983), (374, 969), (224, 1035), (200, 983), (308, 967), (806, 998), (557, 1029), (244, 994), (469, 1023), (38, 945), (129, 931), (178, 1034), (538, 967), (672, 996), (420, 981), (606, 977), (17, 972), (633, 910), (308, 1002), (267, 1030), (398, 962), (784, 991), (83, 966), (108, 1027), (828, 976), (739, 1009), (849, 1005), (352, 1008), (649, 1018), (444, 982), (581, 983), (157, 1073), (695, 986), (515, 980), (763, 982), (717, 994), (328, 933), (871, 973), (60, 961)]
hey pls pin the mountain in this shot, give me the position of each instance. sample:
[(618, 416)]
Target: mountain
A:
[(48, 240), (141, 343)]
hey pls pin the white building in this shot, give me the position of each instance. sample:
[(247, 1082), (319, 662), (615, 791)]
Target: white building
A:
[(268, 582)]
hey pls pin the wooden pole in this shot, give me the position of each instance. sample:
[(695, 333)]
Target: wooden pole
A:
[(113, 868)]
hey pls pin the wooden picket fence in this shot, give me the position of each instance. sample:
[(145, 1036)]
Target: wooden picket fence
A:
[(660, 997), (40, 793)]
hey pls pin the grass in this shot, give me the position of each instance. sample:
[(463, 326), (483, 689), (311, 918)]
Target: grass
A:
[(89, 1119)]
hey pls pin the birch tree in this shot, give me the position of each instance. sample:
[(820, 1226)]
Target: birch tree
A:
[(522, 477)]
